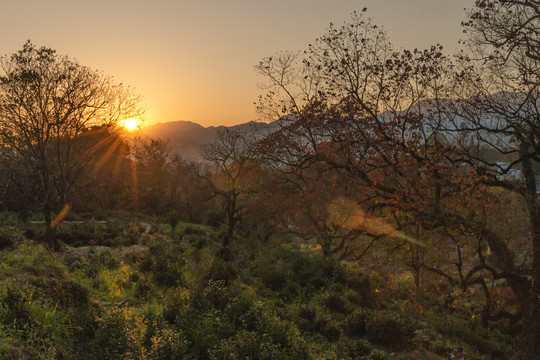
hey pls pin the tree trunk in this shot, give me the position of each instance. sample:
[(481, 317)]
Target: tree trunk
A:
[(50, 229), (530, 342), (529, 346), (326, 245), (534, 211), (231, 225), (232, 217)]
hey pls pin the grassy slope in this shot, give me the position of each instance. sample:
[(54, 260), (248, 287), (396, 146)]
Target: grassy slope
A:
[(166, 295)]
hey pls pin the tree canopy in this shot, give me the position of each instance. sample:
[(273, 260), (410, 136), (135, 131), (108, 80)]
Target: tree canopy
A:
[(55, 114)]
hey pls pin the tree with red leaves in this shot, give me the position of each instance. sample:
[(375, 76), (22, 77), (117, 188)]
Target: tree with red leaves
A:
[(500, 88), (422, 136), (354, 103)]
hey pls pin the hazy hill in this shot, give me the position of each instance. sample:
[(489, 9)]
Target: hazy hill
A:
[(186, 137)]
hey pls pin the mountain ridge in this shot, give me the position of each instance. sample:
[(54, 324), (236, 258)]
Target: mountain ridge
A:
[(187, 138)]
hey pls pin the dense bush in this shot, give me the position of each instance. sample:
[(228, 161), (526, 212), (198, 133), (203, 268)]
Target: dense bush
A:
[(112, 339), (389, 328), (353, 349), (486, 342), (174, 297), (290, 272), (10, 236), (355, 325), (164, 260), (110, 232), (67, 293), (15, 308)]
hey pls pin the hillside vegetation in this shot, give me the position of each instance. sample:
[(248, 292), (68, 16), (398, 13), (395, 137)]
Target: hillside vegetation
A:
[(392, 211), (167, 294)]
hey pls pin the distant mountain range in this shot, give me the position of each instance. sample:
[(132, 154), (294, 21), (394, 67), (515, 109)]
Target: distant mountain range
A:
[(186, 138)]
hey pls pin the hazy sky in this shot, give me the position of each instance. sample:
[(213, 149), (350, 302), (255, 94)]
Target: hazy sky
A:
[(194, 60)]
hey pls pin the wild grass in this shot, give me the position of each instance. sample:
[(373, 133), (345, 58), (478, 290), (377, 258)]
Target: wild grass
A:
[(170, 295)]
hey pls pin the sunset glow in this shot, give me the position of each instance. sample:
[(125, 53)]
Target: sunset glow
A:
[(130, 124), (195, 66)]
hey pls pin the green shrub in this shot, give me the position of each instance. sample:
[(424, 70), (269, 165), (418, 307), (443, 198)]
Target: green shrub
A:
[(306, 318), (215, 295), (172, 218), (88, 232), (143, 333), (270, 336), (291, 272), (170, 345), (246, 345), (183, 228), (336, 302), (328, 328), (12, 349), (487, 341), (313, 272), (164, 260), (430, 339), (165, 229), (65, 293), (15, 308), (222, 270), (355, 323), (177, 302), (92, 261), (275, 278), (10, 236), (33, 325), (143, 286), (124, 234), (362, 287), (350, 349), (197, 235), (80, 325), (112, 339), (242, 313), (34, 231), (389, 328), (377, 355)]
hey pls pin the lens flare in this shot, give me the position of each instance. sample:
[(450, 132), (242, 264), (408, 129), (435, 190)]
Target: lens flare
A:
[(60, 216), (348, 215)]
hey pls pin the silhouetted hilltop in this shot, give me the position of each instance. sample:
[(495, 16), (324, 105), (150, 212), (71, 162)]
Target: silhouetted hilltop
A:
[(186, 137)]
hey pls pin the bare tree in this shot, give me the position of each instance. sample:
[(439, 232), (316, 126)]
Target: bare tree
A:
[(232, 175), (510, 26), (51, 108), (190, 195), (153, 172), (497, 124)]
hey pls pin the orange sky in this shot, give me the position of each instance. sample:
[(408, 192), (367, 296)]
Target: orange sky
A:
[(194, 59)]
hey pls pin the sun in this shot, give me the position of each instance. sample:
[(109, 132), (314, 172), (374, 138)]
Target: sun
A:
[(130, 124)]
